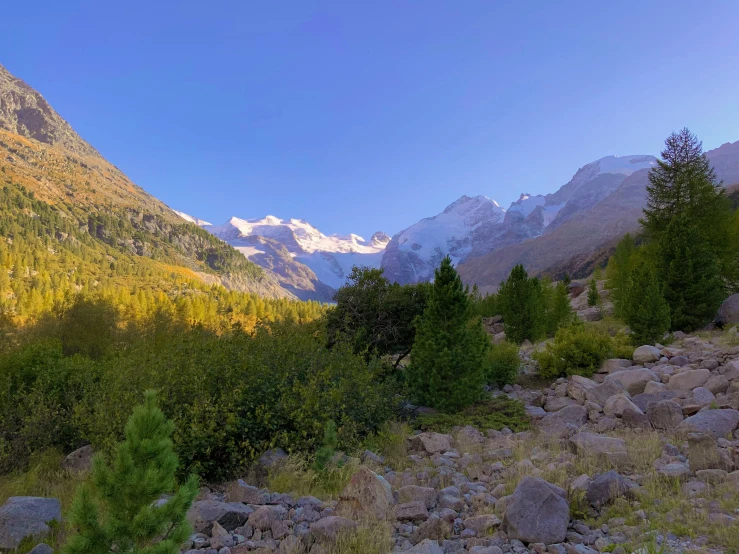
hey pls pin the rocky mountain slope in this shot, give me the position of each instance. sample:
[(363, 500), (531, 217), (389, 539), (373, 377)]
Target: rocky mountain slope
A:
[(42, 158), (573, 241), (307, 263), (473, 227)]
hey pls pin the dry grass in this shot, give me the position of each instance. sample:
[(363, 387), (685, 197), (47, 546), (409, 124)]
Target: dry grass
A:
[(391, 442), (295, 477)]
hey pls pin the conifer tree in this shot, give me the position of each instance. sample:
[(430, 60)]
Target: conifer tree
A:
[(521, 307), (119, 510), (688, 221), (618, 271), (646, 311), (447, 368), (559, 310), (691, 278), (593, 295)]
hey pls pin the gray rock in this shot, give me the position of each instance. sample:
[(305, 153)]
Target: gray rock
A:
[(603, 392), (26, 516), (431, 443), (42, 548), (264, 516), (728, 313), (328, 529), (614, 364), (718, 423), (633, 380), (537, 512), (239, 491), (80, 460), (703, 452), (702, 396), (565, 420), (426, 547), (203, 513), (600, 445), (616, 405), (665, 415), (605, 488), (411, 511), (689, 380), (646, 354), (412, 493), (717, 384), (675, 470)]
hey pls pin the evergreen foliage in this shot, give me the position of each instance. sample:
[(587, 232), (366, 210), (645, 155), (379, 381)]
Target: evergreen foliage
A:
[(558, 308), (688, 221), (120, 511), (447, 368), (593, 296), (691, 276), (618, 272), (646, 311), (520, 304), (328, 447)]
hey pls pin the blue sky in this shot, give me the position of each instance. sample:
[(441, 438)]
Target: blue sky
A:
[(365, 116)]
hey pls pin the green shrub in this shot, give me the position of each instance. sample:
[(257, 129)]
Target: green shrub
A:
[(231, 396), (575, 350), (494, 413), (503, 363)]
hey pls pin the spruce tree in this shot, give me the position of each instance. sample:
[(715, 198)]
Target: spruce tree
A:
[(119, 510), (593, 295), (559, 310), (645, 309), (520, 305), (691, 278), (688, 219), (447, 368)]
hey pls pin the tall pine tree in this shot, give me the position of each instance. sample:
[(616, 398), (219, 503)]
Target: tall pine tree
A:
[(688, 219), (119, 510), (519, 301), (447, 368)]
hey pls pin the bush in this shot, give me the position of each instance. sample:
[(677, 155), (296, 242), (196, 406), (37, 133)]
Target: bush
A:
[(575, 350), (231, 396), (496, 413), (503, 363)]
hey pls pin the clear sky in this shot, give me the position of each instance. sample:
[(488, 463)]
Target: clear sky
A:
[(365, 116)]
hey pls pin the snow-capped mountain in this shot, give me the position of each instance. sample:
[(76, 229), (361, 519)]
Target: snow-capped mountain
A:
[(413, 254), (191, 219), (310, 264), (472, 227)]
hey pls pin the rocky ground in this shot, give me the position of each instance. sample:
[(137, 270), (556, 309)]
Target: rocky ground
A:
[(643, 457)]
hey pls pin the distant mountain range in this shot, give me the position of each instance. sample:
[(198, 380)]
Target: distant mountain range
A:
[(553, 233), (566, 230)]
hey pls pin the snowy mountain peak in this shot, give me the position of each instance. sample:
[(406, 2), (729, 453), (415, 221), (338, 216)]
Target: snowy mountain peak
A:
[(380, 238), (625, 165), (191, 219)]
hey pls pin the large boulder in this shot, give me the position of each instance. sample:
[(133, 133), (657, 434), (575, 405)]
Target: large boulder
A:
[(646, 354), (265, 516), (411, 511), (703, 452), (689, 380), (80, 460), (24, 517), (728, 313), (605, 488), (616, 405), (239, 491), (367, 495), (633, 380), (431, 443), (592, 444), (579, 386), (328, 529), (718, 423), (665, 415), (537, 512), (565, 421), (228, 515), (604, 391)]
